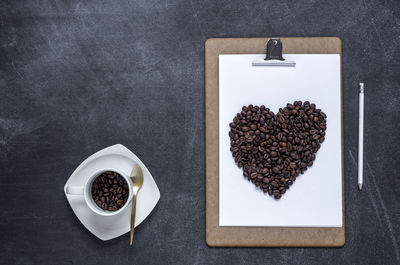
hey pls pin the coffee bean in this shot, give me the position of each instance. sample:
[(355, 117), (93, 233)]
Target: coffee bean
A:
[(273, 149), (253, 175), (108, 189), (275, 169)]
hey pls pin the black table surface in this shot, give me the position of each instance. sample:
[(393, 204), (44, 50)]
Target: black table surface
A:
[(78, 76)]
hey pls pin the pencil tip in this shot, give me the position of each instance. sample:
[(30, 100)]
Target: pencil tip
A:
[(360, 186)]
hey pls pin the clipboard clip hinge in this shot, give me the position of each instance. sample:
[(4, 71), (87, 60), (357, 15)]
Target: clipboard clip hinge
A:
[(273, 55), (273, 50)]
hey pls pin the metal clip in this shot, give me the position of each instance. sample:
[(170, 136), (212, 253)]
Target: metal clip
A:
[(273, 55)]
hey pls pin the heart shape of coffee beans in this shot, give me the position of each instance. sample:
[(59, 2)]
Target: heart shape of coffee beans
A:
[(274, 149)]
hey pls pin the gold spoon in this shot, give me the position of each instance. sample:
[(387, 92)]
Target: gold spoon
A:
[(137, 181)]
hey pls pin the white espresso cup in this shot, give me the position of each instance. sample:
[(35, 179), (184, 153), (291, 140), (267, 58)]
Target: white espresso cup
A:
[(86, 192)]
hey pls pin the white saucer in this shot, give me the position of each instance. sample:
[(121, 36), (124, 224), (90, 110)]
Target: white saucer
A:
[(109, 227)]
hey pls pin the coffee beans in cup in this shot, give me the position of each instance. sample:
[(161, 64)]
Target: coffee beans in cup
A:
[(110, 191), (274, 149)]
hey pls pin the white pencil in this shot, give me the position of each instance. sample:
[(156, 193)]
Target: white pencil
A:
[(360, 135)]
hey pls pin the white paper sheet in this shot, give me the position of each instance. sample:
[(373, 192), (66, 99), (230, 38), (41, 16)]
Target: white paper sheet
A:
[(315, 198)]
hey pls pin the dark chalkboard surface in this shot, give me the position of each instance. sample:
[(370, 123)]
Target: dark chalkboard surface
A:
[(77, 76)]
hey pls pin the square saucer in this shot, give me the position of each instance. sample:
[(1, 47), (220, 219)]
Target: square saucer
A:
[(109, 227)]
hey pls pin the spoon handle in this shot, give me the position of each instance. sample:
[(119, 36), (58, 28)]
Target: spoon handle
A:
[(133, 214)]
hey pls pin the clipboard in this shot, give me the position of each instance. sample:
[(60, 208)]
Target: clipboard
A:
[(218, 236)]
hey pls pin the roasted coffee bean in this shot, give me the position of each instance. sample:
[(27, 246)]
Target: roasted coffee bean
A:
[(110, 191), (273, 149)]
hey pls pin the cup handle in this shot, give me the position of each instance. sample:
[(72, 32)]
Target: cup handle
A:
[(74, 190)]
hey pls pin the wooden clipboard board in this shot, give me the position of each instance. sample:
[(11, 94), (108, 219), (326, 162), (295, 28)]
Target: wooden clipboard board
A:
[(217, 236)]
